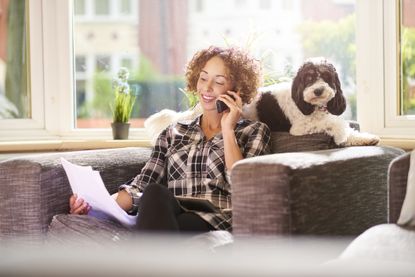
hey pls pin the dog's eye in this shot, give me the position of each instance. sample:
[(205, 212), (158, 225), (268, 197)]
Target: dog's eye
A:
[(308, 78)]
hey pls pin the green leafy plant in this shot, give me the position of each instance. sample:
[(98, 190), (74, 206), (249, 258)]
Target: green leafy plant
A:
[(124, 99)]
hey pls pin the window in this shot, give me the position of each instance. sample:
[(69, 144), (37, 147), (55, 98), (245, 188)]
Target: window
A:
[(65, 89), (407, 57), (79, 7), (102, 7), (162, 47), (381, 73), (125, 7), (80, 63), (15, 97)]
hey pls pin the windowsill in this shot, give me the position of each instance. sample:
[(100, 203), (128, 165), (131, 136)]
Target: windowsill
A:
[(68, 145), (405, 144), (73, 145)]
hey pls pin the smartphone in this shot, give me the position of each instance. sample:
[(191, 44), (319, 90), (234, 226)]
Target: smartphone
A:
[(221, 106)]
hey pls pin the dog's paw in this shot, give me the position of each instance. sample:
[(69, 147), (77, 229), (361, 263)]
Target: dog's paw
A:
[(362, 139)]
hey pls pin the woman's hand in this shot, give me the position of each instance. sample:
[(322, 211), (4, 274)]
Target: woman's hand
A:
[(231, 117), (228, 122), (78, 205)]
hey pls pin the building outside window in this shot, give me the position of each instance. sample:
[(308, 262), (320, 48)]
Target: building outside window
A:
[(167, 33)]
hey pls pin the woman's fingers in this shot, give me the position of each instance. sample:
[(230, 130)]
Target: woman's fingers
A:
[(78, 205), (72, 200), (82, 209)]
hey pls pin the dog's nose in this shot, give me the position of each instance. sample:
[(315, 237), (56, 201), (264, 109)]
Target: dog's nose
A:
[(318, 91)]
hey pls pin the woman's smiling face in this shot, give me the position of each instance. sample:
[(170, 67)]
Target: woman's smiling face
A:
[(213, 81)]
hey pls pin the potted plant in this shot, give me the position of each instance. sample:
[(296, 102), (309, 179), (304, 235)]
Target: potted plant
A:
[(123, 105)]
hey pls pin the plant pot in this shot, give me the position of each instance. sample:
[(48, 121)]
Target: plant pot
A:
[(120, 130)]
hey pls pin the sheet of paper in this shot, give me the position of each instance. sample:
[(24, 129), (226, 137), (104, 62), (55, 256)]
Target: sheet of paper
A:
[(88, 185)]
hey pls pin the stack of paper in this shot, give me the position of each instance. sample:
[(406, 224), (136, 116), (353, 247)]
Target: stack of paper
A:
[(88, 185)]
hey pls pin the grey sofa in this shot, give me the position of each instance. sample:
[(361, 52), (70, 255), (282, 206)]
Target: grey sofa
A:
[(327, 192)]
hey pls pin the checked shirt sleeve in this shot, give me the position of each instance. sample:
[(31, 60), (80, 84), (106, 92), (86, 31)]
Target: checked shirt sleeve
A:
[(152, 172), (258, 141)]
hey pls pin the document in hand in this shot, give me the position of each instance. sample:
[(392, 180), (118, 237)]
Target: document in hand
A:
[(88, 185)]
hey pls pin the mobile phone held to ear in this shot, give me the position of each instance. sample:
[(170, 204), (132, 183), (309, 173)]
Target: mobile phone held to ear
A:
[(221, 106)]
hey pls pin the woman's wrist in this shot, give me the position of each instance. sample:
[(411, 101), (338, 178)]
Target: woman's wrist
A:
[(228, 132)]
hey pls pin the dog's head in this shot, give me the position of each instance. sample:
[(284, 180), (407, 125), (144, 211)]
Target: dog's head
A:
[(317, 85)]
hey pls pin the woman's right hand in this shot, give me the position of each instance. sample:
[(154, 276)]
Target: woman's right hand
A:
[(78, 205)]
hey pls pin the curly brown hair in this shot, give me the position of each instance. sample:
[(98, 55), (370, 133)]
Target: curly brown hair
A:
[(245, 71)]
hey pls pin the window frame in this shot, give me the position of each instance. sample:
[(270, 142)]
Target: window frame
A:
[(377, 71), (52, 76), (35, 77)]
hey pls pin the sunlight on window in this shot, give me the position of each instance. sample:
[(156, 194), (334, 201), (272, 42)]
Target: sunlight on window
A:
[(407, 53), (157, 38), (14, 92)]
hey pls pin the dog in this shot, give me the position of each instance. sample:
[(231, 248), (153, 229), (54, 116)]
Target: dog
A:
[(311, 103), (157, 122)]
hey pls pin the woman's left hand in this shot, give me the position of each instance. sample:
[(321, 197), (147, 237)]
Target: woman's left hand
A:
[(231, 116)]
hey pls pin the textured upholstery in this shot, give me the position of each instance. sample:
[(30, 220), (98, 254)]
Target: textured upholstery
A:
[(338, 191), (282, 142), (398, 178), (327, 192), (35, 188)]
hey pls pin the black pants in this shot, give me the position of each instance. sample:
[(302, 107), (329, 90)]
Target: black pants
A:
[(160, 211)]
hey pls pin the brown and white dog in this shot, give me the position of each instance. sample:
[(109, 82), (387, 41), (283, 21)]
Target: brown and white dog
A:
[(310, 104)]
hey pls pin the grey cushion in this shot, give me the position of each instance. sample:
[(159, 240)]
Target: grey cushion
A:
[(79, 229), (397, 181), (327, 192), (66, 228), (35, 188), (282, 142)]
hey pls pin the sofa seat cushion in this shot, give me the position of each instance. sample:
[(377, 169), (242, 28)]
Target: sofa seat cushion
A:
[(72, 228), (80, 229), (383, 242)]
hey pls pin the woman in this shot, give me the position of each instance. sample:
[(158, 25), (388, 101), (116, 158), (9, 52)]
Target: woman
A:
[(193, 159)]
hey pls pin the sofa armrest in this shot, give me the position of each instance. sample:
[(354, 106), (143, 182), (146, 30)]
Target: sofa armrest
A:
[(328, 192), (35, 188), (398, 179)]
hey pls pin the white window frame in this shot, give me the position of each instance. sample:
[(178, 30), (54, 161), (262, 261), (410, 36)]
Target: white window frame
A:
[(52, 76), (35, 79), (377, 68)]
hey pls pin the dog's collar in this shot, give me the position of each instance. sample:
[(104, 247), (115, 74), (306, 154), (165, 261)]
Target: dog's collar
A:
[(322, 108)]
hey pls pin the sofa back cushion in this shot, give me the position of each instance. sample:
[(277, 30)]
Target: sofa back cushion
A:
[(282, 142)]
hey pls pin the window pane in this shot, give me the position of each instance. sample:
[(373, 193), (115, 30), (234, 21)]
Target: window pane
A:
[(80, 63), (14, 92), (125, 7), (407, 52), (161, 36), (102, 7), (79, 7)]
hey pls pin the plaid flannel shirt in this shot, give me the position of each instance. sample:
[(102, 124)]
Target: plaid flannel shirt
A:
[(190, 165)]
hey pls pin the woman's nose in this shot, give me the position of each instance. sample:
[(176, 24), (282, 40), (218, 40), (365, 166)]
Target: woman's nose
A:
[(208, 86)]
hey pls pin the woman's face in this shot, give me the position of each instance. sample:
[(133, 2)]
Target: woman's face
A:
[(213, 81)]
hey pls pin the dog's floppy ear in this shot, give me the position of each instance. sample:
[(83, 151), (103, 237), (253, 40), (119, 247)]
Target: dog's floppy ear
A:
[(297, 89), (337, 105)]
